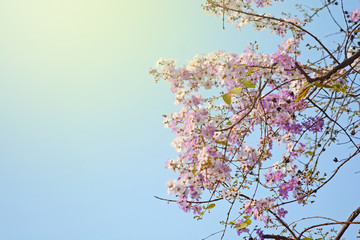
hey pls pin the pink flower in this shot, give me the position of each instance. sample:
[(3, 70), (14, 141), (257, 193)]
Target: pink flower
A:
[(293, 183), (269, 177), (208, 131), (278, 176), (355, 15)]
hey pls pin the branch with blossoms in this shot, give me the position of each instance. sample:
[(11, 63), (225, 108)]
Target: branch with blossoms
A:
[(239, 111)]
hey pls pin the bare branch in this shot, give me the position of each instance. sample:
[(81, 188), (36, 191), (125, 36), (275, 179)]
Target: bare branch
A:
[(276, 237), (279, 20), (283, 223), (342, 65), (324, 224), (345, 226)]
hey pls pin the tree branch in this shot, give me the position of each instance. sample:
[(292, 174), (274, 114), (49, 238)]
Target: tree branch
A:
[(345, 63), (276, 237), (283, 223), (324, 224), (338, 67), (345, 226), (279, 20), (195, 202)]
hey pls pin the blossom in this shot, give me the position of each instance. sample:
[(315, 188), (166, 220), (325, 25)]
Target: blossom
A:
[(314, 124), (278, 175), (282, 212), (355, 15), (284, 189), (218, 142), (208, 131), (269, 177), (260, 233), (293, 183), (211, 135)]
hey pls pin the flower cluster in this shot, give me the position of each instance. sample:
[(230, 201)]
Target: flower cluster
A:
[(259, 209), (256, 92), (233, 111)]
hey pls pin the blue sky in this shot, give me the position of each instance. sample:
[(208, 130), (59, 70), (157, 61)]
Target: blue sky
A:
[(82, 145)]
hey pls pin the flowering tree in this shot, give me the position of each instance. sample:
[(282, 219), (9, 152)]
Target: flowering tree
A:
[(252, 127)]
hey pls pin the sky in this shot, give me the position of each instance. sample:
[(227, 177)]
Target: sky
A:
[(82, 145)]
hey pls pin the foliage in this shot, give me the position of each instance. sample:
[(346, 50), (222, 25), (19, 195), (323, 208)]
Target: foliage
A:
[(265, 104)]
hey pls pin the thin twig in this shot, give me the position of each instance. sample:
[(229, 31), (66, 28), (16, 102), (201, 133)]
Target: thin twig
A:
[(324, 224)]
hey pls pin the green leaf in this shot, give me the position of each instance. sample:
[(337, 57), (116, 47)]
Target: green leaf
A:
[(306, 238), (241, 226), (318, 84), (227, 98), (236, 90), (221, 142), (241, 65), (248, 84), (229, 123), (248, 221), (248, 73), (338, 88), (310, 153), (303, 92), (212, 205)]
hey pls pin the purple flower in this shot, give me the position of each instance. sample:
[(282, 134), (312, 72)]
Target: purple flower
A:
[(284, 189), (196, 209), (269, 177), (315, 124), (278, 175), (208, 131), (293, 183), (260, 234), (240, 231), (267, 220), (282, 212)]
